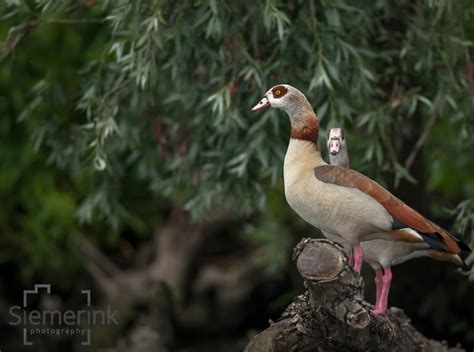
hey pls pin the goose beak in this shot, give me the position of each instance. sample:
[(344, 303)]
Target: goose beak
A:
[(262, 105)]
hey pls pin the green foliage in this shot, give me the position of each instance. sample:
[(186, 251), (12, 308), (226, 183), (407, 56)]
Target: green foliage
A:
[(37, 218), (135, 101), (465, 225), (465, 216)]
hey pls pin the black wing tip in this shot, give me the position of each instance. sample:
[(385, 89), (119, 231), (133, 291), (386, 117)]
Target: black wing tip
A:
[(434, 240)]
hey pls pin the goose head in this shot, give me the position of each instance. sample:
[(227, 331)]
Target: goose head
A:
[(284, 97), (295, 104)]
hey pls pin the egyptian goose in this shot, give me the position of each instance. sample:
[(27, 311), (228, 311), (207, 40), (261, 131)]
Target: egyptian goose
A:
[(340, 201), (380, 254)]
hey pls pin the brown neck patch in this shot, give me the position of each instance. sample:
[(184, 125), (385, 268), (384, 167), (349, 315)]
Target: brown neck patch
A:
[(308, 131)]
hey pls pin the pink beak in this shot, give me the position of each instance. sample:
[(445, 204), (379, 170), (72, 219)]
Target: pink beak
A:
[(262, 105)]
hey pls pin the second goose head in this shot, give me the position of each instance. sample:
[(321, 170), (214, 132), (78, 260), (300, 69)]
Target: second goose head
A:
[(337, 147)]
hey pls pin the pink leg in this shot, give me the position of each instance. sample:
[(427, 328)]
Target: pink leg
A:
[(358, 257), (381, 308), (350, 256), (378, 286)]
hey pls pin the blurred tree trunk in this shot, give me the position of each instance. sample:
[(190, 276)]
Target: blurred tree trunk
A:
[(169, 286)]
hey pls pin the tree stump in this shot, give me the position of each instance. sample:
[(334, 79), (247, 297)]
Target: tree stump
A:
[(332, 314)]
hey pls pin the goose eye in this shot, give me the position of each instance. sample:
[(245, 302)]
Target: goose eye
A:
[(279, 91)]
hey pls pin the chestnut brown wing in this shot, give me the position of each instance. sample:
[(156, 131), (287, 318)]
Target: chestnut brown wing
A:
[(403, 215)]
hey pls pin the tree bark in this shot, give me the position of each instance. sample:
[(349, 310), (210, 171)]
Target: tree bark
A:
[(332, 314)]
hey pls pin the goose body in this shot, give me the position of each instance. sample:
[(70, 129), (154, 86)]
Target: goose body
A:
[(327, 206), (342, 202)]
